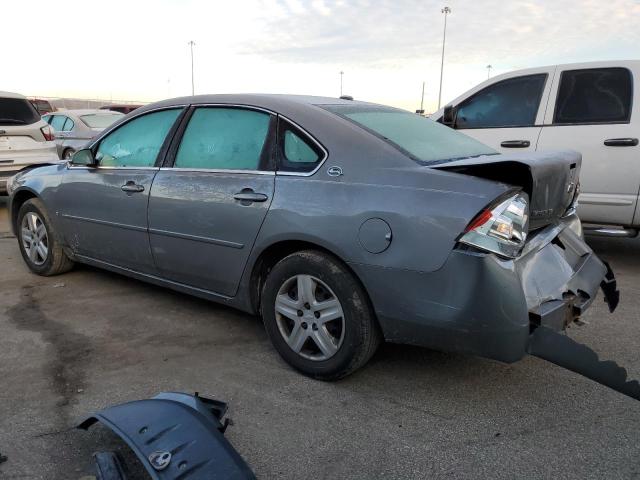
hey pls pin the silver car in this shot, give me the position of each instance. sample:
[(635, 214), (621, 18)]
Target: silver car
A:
[(341, 223), (74, 128)]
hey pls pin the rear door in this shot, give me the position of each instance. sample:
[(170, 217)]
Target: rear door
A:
[(207, 208), (104, 208), (507, 114), (591, 110)]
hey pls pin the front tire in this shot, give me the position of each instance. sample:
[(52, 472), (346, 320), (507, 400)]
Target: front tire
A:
[(318, 316), (38, 241)]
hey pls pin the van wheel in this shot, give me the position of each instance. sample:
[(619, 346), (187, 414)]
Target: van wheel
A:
[(318, 316), (38, 241)]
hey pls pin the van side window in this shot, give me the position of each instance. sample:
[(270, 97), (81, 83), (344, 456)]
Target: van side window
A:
[(594, 95), (512, 102)]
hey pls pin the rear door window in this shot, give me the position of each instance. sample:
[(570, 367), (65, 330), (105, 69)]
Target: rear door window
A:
[(224, 139), (68, 125), (594, 95), (58, 122), (298, 153), (509, 103), (137, 143), (17, 111)]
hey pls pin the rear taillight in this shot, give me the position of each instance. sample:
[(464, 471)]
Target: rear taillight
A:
[(47, 131), (501, 229)]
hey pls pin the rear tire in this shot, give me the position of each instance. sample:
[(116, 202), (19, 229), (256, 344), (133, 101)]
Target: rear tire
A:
[(326, 333), (39, 242)]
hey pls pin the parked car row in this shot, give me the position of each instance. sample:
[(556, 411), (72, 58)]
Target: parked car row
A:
[(28, 140)]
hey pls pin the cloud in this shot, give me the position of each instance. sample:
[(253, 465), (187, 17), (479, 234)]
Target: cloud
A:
[(378, 33)]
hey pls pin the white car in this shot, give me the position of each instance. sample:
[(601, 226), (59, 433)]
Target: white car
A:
[(25, 139), (588, 107)]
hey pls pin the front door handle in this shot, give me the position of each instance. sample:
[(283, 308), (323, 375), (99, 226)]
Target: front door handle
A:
[(132, 187), (621, 142), (247, 196), (515, 144)]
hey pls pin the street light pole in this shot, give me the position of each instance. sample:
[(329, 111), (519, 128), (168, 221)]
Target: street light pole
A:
[(191, 44), (422, 99), (446, 11), (341, 75), (488, 71)]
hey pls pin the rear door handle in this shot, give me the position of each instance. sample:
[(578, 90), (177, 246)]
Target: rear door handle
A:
[(621, 142), (515, 144), (132, 187), (247, 195)]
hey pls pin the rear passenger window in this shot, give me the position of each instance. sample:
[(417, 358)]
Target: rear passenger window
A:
[(595, 95), (68, 125), (58, 122), (224, 139), (510, 103), (298, 152)]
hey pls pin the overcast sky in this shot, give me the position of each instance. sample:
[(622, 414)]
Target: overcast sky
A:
[(137, 49)]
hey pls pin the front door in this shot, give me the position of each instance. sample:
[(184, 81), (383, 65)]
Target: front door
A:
[(207, 209), (104, 208), (507, 115), (593, 114)]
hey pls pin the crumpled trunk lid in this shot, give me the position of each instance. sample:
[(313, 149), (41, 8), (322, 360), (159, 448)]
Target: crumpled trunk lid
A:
[(549, 178)]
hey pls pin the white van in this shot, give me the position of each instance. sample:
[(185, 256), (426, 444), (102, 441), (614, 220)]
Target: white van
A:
[(588, 107)]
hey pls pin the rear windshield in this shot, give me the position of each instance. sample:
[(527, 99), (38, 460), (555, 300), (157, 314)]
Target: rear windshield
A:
[(420, 138), (17, 111), (100, 120)]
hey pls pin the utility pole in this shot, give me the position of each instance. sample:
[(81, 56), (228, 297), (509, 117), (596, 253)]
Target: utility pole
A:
[(421, 111), (488, 71), (341, 75), (446, 11), (191, 44)]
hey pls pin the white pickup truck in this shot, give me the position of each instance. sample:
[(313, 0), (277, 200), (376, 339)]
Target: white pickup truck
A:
[(587, 107)]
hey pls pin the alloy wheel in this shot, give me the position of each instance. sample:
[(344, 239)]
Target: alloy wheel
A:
[(35, 240), (310, 317)]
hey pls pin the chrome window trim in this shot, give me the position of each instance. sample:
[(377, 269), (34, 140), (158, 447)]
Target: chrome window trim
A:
[(117, 125), (217, 170), (98, 167), (271, 112), (318, 144)]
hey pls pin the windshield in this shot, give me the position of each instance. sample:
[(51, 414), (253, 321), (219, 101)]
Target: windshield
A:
[(421, 138), (17, 111), (100, 120)]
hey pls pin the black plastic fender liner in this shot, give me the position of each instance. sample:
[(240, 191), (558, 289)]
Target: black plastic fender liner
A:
[(565, 352), (609, 287), (176, 436)]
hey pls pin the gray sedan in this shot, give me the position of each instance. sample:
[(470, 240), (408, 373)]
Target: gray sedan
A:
[(74, 128), (341, 223)]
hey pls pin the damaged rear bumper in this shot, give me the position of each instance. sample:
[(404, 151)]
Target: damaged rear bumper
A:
[(484, 305)]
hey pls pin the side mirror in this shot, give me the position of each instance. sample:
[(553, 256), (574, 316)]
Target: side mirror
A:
[(83, 157), (449, 116)]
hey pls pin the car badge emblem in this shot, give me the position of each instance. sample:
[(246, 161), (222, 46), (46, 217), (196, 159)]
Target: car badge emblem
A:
[(334, 171)]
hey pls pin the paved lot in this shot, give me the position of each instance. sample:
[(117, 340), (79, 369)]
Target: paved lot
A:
[(72, 344)]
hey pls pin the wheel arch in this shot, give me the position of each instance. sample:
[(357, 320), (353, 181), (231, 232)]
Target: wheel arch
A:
[(275, 252), (17, 200)]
